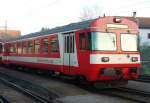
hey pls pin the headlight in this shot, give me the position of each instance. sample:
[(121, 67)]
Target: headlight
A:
[(134, 59), (105, 59)]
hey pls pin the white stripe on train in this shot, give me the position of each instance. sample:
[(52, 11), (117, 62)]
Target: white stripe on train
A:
[(113, 58)]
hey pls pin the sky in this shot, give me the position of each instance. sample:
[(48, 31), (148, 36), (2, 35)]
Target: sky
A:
[(30, 16)]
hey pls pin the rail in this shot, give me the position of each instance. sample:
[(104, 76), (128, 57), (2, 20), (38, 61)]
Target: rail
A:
[(131, 94), (122, 92), (12, 82), (3, 99), (143, 78)]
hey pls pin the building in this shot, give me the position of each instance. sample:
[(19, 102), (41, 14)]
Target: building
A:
[(8, 34), (144, 29), (144, 26)]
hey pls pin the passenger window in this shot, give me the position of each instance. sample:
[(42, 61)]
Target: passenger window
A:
[(24, 48), (15, 48), (83, 44), (54, 45), (6, 48), (37, 47), (45, 46), (30, 46), (11, 50), (19, 47)]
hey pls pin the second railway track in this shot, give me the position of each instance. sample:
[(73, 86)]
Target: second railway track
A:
[(3, 99), (41, 96), (132, 94), (126, 93), (144, 79)]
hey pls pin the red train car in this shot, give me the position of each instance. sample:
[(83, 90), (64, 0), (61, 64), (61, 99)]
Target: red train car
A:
[(102, 49)]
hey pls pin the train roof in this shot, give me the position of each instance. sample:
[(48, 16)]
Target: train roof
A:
[(65, 28), (69, 27)]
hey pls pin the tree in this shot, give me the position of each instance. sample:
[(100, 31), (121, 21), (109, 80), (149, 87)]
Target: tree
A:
[(145, 58), (44, 29), (88, 13)]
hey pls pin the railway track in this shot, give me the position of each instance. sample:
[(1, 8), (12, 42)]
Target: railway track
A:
[(144, 79), (27, 88), (3, 100), (124, 93), (130, 94)]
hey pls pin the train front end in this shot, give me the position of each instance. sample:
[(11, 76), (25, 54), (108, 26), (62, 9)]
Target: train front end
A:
[(114, 54)]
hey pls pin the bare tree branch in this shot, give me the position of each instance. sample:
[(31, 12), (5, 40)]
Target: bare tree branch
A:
[(90, 13)]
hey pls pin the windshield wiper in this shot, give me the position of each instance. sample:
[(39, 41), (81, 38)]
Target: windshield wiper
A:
[(113, 41)]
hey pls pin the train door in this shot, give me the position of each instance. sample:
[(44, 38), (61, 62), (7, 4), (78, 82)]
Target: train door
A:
[(69, 54)]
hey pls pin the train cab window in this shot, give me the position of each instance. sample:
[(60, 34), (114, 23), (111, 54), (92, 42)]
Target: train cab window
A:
[(30, 46), (83, 41), (19, 47), (24, 47), (54, 45), (37, 47), (45, 46)]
